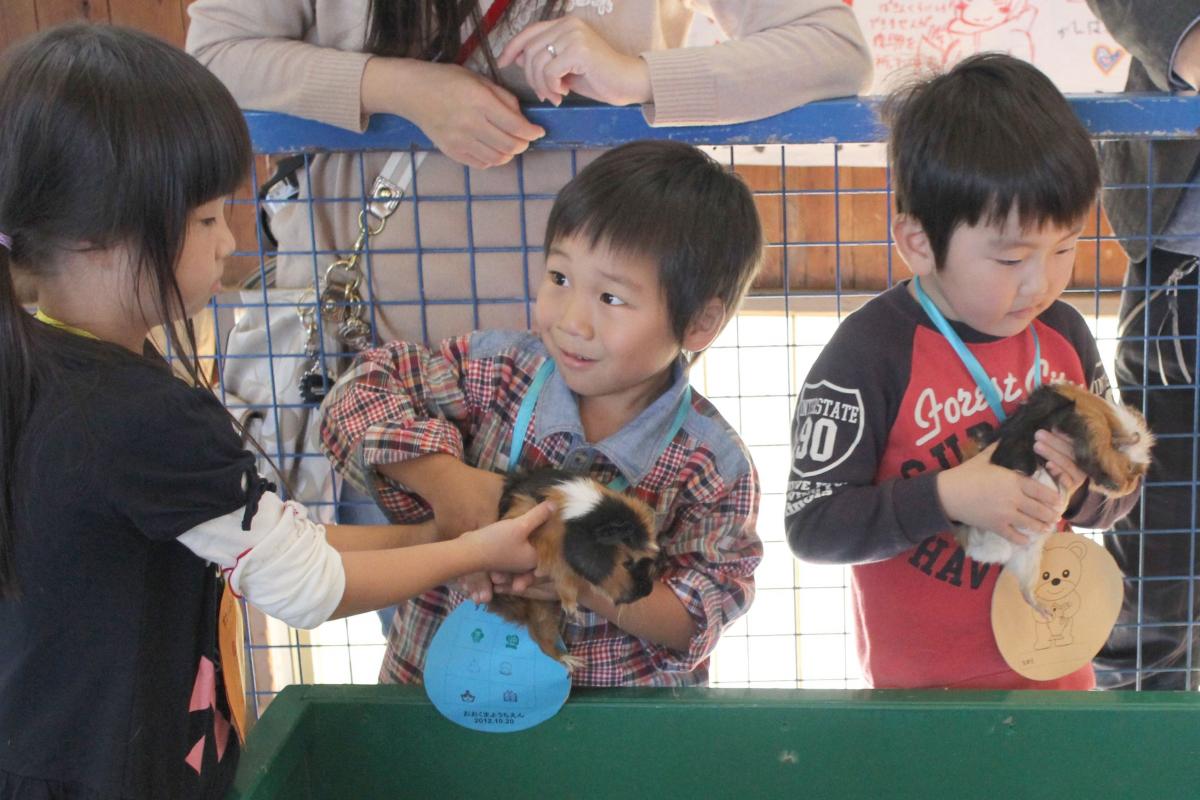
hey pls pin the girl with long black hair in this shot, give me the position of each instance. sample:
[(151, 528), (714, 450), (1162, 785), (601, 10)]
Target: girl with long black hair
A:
[(130, 516)]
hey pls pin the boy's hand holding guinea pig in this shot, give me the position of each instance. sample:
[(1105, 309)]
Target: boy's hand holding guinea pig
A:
[(1059, 452), (463, 498), (994, 498)]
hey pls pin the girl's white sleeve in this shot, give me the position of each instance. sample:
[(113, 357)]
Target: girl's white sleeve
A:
[(283, 564)]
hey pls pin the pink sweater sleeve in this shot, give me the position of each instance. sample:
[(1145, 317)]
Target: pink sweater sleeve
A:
[(302, 57), (268, 54), (781, 54)]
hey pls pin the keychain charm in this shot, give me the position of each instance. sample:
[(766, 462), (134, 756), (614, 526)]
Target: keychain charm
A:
[(314, 382)]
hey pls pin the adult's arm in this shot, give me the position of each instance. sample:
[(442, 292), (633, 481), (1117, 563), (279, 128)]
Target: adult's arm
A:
[(259, 50), (781, 54)]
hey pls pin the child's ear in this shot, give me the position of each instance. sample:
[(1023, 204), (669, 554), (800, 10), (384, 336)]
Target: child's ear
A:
[(913, 245), (705, 326)]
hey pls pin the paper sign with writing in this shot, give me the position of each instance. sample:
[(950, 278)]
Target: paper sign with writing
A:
[(1061, 37)]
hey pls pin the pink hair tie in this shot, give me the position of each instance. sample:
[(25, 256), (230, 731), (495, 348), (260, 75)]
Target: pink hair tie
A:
[(5, 241)]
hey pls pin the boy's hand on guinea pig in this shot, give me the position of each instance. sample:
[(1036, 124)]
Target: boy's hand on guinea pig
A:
[(529, 585), (465, 498), (1059, 452), (476, 586), (980, 493)]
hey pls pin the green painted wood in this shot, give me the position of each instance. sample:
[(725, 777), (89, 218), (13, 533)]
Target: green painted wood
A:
[(377, 741), (275, 759)]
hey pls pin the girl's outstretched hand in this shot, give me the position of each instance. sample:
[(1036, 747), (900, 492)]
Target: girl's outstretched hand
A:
[(504, 546), (565, 55), (468, 118)]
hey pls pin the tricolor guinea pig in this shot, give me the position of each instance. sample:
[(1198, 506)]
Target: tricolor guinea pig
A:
[(597, 537), (1111, 446)]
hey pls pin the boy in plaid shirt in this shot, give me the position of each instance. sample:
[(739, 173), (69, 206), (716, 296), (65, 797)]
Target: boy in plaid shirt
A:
[(649, 251)]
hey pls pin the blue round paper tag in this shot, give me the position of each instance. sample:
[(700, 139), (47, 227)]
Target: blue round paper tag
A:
[(486, 673)]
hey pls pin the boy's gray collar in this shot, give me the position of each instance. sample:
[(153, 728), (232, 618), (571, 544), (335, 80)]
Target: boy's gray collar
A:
[(636, 447)]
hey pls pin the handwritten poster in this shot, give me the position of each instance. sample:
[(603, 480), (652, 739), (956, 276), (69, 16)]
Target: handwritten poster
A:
[(1062, 37)]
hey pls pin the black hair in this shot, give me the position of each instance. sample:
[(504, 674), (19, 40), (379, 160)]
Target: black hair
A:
[(108, 137), (431, 30), (991, 134), (670, 203)]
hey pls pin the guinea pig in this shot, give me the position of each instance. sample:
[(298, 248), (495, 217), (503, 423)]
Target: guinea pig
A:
[(597, 538), (1111, 446)]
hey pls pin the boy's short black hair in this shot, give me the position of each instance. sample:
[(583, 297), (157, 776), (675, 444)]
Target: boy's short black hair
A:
[(991, 134), (671, 203)]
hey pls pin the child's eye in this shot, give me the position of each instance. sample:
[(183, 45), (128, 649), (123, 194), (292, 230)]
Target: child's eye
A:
[(1009, 262), (208, 222), (557, 278), (611, 299)]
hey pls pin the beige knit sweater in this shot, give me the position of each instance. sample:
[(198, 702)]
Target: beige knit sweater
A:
[(303, 57)]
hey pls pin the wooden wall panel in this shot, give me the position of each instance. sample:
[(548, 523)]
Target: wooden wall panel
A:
[(18, 19), (837, 240), (163, 18), (53, 12)]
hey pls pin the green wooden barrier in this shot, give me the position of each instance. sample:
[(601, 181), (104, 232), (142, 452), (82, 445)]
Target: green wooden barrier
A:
[(389, 742)]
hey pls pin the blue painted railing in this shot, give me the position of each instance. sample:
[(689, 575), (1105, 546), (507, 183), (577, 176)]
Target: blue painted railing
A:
[(853, 119)]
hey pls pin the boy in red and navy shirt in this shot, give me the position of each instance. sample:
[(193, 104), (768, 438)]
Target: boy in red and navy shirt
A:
[(994, 177)]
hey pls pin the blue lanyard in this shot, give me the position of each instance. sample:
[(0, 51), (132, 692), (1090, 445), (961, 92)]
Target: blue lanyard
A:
[(525, 414), (968, 358)]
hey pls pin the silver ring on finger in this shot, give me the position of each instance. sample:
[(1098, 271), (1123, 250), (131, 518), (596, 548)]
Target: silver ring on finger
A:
[(552, 50)]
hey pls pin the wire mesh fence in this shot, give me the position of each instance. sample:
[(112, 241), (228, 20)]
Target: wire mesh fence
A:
[(462, 250)]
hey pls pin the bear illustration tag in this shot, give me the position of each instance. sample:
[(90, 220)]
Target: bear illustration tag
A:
[(1079, 589)]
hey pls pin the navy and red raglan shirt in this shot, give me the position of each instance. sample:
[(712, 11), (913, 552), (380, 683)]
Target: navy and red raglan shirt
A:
[(886, 406)]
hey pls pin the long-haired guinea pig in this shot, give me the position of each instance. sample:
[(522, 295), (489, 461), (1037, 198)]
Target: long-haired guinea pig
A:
[(597, 538), (1111, 446)]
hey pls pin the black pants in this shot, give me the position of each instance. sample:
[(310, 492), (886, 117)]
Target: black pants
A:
[(1156, 545)]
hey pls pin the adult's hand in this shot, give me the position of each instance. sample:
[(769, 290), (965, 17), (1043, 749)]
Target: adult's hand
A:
[(469, 118), (565, 55)]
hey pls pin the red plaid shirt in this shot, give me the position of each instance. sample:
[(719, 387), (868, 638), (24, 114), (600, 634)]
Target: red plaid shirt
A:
[(402, 400)]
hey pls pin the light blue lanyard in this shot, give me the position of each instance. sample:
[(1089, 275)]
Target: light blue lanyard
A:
[(968, 358), (525, 414)]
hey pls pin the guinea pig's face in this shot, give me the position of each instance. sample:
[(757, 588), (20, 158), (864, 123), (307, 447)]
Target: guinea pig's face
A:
[(1124, 454), (612, 547), (1112, 441), (634, 580), (1119, 477)]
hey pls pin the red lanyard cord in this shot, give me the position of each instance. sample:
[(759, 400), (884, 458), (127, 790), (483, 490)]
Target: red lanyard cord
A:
[(493, 15)]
